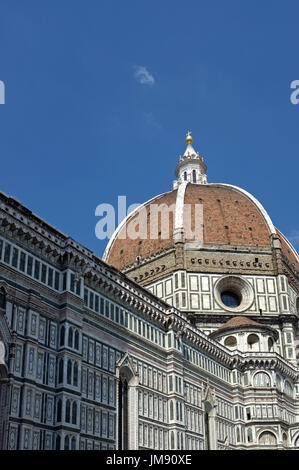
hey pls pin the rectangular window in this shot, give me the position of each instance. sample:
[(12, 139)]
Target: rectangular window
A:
[(170, 383), (15, 257), (50, 277), (112, 312), (72, 286), (183, 279), (107, 305), (85, 296), (91, 297), (29, 265), (22, 261), (282, 284), (7, 253), (64, 281), (36, 269), (96, 304), (176, 281), (44, 273), (117, 315), (56, 280), (78, 287), (1, 245), (121, 317), (102, 306)]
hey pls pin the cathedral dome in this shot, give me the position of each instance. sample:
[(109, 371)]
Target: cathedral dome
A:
[(231, 216), (226, 215)]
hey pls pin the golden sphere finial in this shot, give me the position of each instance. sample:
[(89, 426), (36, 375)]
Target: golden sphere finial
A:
[(189, 138)]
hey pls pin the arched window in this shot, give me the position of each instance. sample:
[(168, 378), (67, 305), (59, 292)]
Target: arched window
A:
[(74, 413), (2, 298), (75, 375), (171, 410), (76, 345), (172, 440), (67, 443), (284, 440), (177, 411), (194, 176), (185, 175), (69, 372), (68, 411), (270, 344), (70, 338), (230, 342), (207, 434), (62, 335), (73, 446), (261, 379), (59, 407), (123, 414), (267, 438), (60, 371), (249, 435), (253, 342), (238, 435)]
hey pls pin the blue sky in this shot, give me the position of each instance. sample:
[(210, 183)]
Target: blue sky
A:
[(79, 127)]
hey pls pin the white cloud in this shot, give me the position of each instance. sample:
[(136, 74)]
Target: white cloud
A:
[(143, 76)]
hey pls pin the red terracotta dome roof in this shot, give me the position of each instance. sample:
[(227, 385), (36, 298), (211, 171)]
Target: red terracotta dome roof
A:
[(236, 322), (230, 217)]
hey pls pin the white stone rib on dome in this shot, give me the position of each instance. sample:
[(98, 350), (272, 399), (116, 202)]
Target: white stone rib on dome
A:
[(290, 246), (179, 209)]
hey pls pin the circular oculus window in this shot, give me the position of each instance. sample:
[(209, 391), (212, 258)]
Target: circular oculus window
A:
[(233, 293)]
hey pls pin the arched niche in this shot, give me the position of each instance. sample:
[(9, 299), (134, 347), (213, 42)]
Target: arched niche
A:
[(230, 342), (127, 405), (253, 342), (267, 438)]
